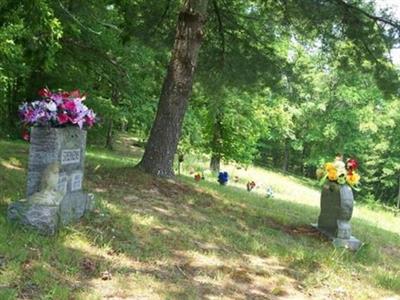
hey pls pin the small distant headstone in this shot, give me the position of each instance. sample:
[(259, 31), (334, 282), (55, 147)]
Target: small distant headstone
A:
[(55, 175), (270, 192), (336, 211)]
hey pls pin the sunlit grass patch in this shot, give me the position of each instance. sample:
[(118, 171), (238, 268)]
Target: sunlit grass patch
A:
[(181, 239), (389, 280)]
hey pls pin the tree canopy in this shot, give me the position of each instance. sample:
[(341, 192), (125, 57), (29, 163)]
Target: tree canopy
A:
[(284, 83)]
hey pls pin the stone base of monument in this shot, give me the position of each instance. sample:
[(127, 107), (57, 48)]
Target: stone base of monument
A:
[(351, 243), (47, 218), (337, 203)]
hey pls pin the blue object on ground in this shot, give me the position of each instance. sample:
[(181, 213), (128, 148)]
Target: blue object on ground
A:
[(223, 178)]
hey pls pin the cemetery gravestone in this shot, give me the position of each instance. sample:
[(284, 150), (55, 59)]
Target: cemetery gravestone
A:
[(55, 176), (336, 211)]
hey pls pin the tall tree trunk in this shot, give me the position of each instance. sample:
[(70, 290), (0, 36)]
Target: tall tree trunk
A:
[(13, 105), (285, 165), (303, 158), (215, 162), (161, 146), (110, 126), (398, 196), (216, 143), (109, 138)]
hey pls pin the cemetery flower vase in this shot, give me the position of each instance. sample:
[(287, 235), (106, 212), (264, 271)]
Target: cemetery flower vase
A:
[(55, 175)]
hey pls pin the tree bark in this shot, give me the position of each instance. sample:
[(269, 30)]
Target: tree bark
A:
[(110, 129), (285, 165), (216, 143), (215, 163), (162, 144), (109, 138), (398, 196)]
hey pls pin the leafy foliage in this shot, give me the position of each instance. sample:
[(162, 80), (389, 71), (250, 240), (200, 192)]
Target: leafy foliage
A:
[(282, 83)]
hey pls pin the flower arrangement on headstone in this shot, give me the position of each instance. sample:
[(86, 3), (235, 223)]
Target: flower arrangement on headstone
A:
[(250, 185), (199, 176), (337, 201), (223, 178), (269, 192), (56, 161)]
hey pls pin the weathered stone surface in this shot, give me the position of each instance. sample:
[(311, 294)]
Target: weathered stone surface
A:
[(330, 206), (63, 145), (336, 211), (55, 176), (74, 206), (44, 218), (351, 243)]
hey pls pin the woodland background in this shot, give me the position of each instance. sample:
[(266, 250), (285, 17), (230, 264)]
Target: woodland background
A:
[(281, 84)]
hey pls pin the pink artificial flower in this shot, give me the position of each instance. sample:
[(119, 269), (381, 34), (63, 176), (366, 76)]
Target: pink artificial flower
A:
[(89, 120), (70, 105), (62, 118)]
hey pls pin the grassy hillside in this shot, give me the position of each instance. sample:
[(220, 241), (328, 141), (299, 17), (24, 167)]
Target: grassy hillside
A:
[(178, 239)]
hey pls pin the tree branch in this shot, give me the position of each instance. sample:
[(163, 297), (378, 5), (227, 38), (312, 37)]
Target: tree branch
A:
[(367, 14), (167, 6), (76, 19), (100, 54), (220, 30)]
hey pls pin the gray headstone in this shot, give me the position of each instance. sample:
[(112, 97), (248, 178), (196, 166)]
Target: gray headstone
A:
[(64, 148), (336, 211)]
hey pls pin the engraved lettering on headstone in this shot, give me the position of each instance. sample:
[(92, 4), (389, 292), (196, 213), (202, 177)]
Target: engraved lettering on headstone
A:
[(39, 157), (76, 181), (70, 156), (62, 183)]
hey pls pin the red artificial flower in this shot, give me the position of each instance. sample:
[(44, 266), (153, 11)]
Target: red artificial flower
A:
[(26, 136), (44, 92), (352, 164), (76, 94), (65, 94)]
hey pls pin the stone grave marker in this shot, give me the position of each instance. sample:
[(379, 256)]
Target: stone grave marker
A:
[(55, 175), (337, 202)]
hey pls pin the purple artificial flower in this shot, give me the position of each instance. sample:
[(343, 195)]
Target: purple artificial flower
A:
[(57, 98), (57, 109)]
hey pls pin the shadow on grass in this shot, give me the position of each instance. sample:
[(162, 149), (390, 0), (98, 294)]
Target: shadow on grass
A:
[(170, 217), (201, 239)]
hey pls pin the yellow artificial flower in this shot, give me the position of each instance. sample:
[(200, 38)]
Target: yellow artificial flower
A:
[(332, 174), (353, 179), (329, 167)]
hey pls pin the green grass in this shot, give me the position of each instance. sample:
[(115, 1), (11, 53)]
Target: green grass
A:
[(178, 239)]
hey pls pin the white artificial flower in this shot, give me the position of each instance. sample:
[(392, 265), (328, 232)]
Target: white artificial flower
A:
[(340, 167), (51, 106)]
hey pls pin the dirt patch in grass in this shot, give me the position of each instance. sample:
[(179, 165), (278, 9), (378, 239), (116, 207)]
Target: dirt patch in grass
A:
[(296, 230)]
